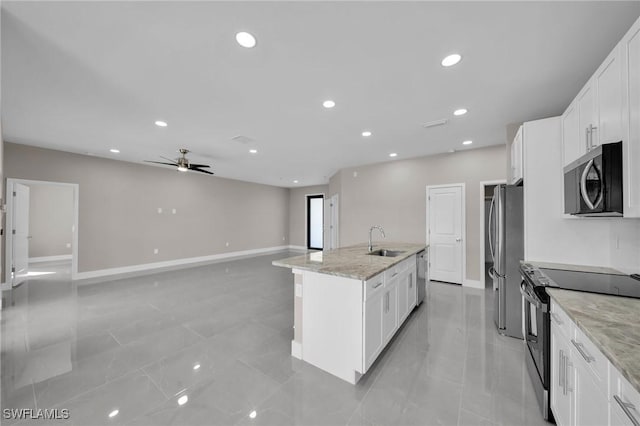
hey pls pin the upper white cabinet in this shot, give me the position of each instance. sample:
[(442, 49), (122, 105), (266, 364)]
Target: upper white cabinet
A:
[(630, 61), (607, 110), (516, 172)]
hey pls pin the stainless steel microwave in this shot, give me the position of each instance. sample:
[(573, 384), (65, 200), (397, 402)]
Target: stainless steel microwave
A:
[(593, 183)]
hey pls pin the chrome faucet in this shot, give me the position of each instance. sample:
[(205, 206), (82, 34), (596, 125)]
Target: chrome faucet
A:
[(370, 231)]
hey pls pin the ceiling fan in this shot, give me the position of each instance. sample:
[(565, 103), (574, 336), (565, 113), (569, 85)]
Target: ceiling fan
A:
[(183, 163)]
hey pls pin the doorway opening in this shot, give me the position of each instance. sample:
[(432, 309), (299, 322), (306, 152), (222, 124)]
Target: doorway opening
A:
[(42, 229), (315, 222), (486, 229)]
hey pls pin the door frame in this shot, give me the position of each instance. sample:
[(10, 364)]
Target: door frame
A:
[(9, 225), (334, 221), (482, 230), (463, 219), (306, 219)]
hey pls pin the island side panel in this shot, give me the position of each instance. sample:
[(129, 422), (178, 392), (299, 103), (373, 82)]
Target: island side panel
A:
[(296, 343), (332, 324)]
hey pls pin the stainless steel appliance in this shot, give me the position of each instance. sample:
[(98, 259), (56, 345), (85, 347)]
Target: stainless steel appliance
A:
[(421, 281), (506, 241), (536, 323), (593, 183)]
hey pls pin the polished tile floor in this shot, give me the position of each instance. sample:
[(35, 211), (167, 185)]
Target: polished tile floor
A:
[(211, 346)]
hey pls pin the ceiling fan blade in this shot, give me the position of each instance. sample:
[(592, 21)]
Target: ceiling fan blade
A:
[(198, 165), (201, 171), (159, 162), (169, 159)]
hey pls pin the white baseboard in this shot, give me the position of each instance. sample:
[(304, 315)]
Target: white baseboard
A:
[(168, 264), (50, 258), (472, 283), (296, 349), (297, 248)]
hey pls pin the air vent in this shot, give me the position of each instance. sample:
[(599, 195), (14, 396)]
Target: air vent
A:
[(435, 123), (242, 139)]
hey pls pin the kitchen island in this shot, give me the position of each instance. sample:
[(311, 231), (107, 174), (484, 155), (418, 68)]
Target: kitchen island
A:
[(349, 303)]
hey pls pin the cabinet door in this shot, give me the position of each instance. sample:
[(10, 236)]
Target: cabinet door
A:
[(373, 320), (412, 295), (609, 103), (403, 296), (591, 407), (390, 311), (631, 146), (561, 375), (586, 116), (570, 134), (515, 174)]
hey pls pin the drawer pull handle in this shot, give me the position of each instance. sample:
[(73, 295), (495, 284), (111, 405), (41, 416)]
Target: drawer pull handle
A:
[(377, 285), (583, 352), (394, 274), (556, 318), (627, 407)]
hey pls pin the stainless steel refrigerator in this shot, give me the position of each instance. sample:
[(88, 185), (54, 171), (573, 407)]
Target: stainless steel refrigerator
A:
[(506, 241)]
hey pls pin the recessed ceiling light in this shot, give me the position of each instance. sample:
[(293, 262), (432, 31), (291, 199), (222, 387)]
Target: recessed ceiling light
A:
[(114, 413), (196, 367), (467, 142), (452, 150), (253, 414), (182, 169), (366, 133), (183, 400), (328, 103), (295, 181), (245, 39), (115, 151), (460, 111), (253, 151), (161, 123), (451, 60), (393, 154)]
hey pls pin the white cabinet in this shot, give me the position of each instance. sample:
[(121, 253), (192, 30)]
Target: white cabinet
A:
[(570, 134), (412, 294), (516, 172), (630, 60), (373, 339), (624, 400), (403, 296), (390, 311), (579, 373), (587, 117), (609, 105), (561, 373)]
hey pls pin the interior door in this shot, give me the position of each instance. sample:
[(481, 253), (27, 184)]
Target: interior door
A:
[(315, 222), (445, 234), (20, 234)]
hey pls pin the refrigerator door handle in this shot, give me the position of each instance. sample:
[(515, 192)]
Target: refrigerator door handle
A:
[(493, 200)]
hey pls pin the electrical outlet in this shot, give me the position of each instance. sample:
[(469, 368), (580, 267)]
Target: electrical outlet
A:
[(68, 245), (174, 211), (227, 244), (155, 251), (159, 210)]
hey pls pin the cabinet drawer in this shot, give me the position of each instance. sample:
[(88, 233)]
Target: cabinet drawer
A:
[(393, 272), (373, 285), (624, 399), (561, 320), (590, 357)]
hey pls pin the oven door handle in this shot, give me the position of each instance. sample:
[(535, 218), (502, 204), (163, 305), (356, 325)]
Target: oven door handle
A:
[(528, 297)]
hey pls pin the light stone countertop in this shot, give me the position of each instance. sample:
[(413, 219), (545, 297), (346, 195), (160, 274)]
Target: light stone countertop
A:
[(351, 262), (611, 322), (569, 267)]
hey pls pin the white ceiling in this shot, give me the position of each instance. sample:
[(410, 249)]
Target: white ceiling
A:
[(88, 76)]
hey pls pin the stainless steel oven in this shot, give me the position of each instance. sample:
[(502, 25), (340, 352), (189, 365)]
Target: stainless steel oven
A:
[(536, 330)]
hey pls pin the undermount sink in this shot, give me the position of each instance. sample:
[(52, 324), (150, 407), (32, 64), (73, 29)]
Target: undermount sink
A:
[(386, 253)]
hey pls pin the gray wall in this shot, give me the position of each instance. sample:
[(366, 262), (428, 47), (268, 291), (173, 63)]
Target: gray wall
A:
[(297, 212), (119, 224), (393, 194), (50, 220)]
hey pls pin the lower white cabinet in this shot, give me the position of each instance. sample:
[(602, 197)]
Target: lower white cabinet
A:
[(390, 311), (373, 319), (586, 389)]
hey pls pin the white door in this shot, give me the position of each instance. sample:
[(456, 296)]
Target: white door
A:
[(20, 234), (445, 233), (333, 222)]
